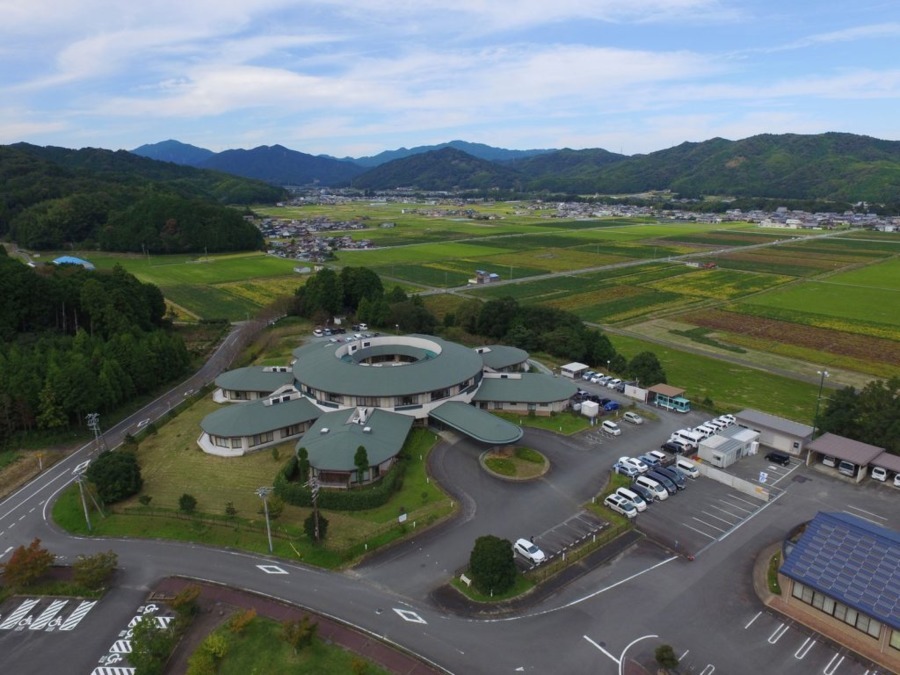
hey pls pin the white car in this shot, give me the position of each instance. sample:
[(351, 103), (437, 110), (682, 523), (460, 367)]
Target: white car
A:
[(635, 462), (529, 551), (633, 497), (729, 419), (588, 374), (619, 504), (610, 427), (613, 383), (596, 377), (633, 417), (879, 473), (897, 480)]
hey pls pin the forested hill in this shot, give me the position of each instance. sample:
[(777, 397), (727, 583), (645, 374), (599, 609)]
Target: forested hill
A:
[(74, 341), (50, 197)]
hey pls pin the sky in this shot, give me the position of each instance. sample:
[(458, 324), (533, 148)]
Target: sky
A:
[(356, 77)]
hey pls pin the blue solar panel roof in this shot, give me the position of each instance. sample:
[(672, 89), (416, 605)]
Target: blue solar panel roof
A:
[(852, 561)]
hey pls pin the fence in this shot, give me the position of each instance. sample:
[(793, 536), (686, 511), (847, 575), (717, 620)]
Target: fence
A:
[(764, 493)]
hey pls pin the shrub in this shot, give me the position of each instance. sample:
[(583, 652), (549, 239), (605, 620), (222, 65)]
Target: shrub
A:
[(240, 620), (299, 634), (92, 571), (27, 564), (492, 565), (665, 657), (230, 510), (116, 475), (187, 503), (145, 500), (185, 602)]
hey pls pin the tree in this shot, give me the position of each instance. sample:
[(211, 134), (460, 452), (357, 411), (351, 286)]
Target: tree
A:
[(496, 317), (92, 571), (187, 503), (303, 464), (492, 565), (665, 657), (361, 462), (150, 646), (27, 564), (299, 633), (309, 526), (230, 509), (274, 504), (646, 369), (116, 475)]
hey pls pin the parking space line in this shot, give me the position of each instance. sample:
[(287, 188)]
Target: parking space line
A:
[(724, 520), (736, 516), (778, 632), (718, 529), (758, 614), (849, 513), (741, 499), (829, 670), (804, 648), (699, 531), (874, 515), (786, 474), (735, 506)]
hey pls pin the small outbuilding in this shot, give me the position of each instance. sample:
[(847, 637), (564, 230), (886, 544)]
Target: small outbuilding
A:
[(573, 370), (669, 398), (728, 446)]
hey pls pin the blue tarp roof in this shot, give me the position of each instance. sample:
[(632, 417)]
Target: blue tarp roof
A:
[(72, 260)]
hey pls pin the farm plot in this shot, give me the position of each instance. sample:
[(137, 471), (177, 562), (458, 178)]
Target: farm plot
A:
[(809, 343), (620, 303), (261, 292), (885, 275), (848, 303), (416, 254), (724, 238), (209, 302), (786, 261), (719, 284)]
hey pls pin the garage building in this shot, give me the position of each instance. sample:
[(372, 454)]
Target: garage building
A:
[(776, 432)]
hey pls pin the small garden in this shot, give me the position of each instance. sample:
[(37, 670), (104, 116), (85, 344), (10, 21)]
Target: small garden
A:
[(516, 462)]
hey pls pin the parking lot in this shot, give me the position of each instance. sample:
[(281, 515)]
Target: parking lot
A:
[(688, 521), (568, 534)]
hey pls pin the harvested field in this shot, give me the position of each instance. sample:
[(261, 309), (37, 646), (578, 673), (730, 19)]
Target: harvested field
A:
[(856, 346)]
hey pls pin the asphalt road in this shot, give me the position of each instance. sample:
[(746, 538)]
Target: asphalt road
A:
[(705, 608)]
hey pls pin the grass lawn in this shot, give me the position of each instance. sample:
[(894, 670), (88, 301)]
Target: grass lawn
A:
[(521, 586), (844, 301), (566, 423), (730, 386), (260, 649), (173, 465)]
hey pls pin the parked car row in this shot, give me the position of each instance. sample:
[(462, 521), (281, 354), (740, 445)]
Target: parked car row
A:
[(652, 481), (689, 439), (607, 381)]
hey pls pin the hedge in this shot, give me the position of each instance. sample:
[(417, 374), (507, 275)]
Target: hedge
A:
[(288, 487)]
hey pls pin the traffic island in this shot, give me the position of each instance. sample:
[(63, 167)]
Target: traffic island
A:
[(514, 463)]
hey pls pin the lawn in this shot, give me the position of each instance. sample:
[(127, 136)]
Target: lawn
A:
[(259, 648), (730, 386)]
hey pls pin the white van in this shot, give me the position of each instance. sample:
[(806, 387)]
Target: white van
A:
[(658, 490), (828, 460), (847, 468), (687, 468), (690, 439), (611, 427), (634, 497), (706, 429)]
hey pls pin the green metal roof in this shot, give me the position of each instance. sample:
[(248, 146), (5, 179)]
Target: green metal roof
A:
[(253, 378), (335, 448), (255, 417), (448, 364), (498, 357), (476, 423), (529, 388)]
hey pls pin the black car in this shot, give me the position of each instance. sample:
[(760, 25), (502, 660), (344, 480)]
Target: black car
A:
[(779, 458), (645, 494), (674, 475), (663, 480), (674, 447)]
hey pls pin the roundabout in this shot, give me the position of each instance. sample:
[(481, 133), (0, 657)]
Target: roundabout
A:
[(517, 463)]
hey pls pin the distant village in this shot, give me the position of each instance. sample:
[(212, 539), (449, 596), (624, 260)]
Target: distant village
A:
[(316, 239)]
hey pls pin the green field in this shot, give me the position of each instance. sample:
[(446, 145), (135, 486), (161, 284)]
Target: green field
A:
[(731, 387), (845, 302), (885, 275)]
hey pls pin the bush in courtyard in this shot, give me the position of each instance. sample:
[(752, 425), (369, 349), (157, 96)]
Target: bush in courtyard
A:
[(491, 564)]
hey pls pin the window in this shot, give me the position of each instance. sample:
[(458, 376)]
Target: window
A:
[(236, 443), (259, 439), (895, 639)]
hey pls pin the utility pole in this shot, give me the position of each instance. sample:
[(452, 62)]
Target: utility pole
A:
[(314, 490), (80, 480), (263, 494), (93, 423)]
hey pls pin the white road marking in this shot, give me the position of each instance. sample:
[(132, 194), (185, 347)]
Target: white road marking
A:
[(874, 515), (409, 615), (778, 632), (736, 507), (708, 670), (699, 531), (81, 467), (121, 647), (686, 652), (758, 614), (719, 529), (48, 614), (804, 648), (272, 569), (832, 667), (601, 649), (6, 551), (741, 499), (76, 616), (712, 515), (106, 670), (850, 513), (13, 619)]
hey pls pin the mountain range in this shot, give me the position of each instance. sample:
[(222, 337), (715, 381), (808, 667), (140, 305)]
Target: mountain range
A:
[(830, 166)]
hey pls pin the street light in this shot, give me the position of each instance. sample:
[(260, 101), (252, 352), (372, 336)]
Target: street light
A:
[(263, 494), (822, 375)]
